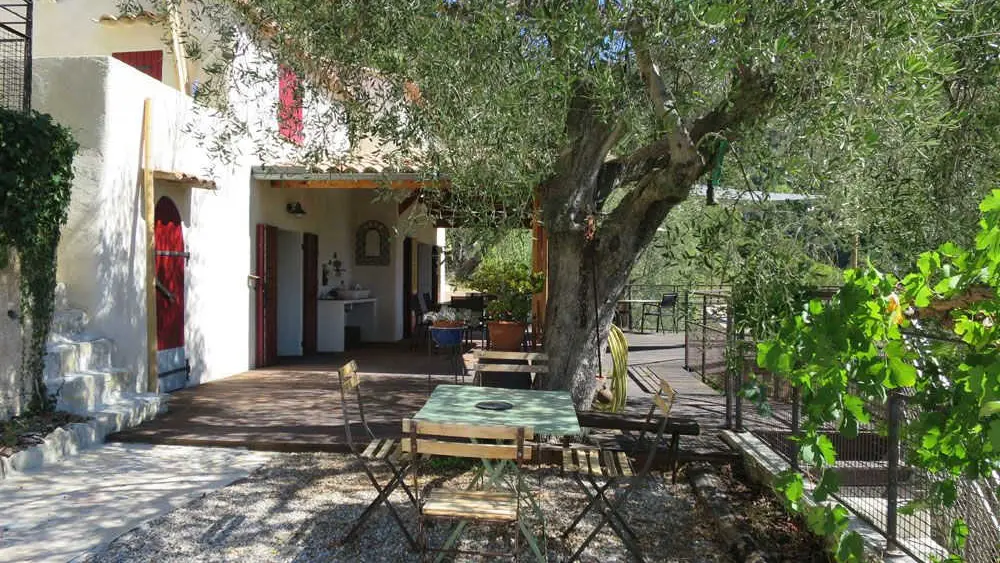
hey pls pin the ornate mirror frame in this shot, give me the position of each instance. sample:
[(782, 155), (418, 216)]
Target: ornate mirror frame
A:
[(361, 256)]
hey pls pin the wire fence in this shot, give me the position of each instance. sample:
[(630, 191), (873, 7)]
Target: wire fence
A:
[(15, 54), (875, 469)]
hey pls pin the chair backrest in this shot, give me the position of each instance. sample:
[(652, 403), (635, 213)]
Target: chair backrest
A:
[(467, 440), (350, 383), (523, 362), (497, 362), (668, 300), (663, 402)]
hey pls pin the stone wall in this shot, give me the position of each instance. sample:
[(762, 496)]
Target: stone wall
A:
[(13, 392)]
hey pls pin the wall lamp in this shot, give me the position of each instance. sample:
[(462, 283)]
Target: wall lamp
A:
[(295, 209)]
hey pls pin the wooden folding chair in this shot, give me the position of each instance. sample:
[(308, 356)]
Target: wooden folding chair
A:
[(380, 451), (510, 370), (590, 465), (506, 443)]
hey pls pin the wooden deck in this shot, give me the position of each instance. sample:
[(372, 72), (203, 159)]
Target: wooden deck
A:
[(296, 406)]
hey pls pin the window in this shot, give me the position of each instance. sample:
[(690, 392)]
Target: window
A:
[(149, 62), (289, 106)]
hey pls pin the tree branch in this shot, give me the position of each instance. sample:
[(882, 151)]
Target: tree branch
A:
[(663, 100), (750, 98)]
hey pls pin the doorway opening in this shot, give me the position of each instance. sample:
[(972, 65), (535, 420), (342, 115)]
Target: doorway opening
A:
[(171, 260)]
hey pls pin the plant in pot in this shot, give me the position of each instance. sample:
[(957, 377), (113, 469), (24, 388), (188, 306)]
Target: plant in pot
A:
[(445, 318), (511, 284), (446, 326)]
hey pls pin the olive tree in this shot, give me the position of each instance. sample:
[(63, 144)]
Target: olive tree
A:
[(571, 101)]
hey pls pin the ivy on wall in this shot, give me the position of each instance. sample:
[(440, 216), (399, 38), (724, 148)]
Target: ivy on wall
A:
[(36, 177)]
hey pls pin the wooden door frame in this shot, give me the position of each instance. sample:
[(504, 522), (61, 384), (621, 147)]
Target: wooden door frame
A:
[(267, 296), (310, 291)]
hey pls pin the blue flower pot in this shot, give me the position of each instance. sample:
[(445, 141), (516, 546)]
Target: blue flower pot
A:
[(447, 336)]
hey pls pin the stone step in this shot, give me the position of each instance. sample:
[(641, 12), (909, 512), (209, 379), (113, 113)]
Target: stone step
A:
[(124, 412), (69, 322), (61, 301), (84, 392), (75, 356)]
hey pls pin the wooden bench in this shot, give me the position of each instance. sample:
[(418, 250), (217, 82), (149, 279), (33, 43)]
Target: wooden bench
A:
[(624, 422)]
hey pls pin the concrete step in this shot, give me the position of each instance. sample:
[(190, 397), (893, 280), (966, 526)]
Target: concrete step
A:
[(61, 301), (77, 355), (86, 391), (124, 412), (69, 322)]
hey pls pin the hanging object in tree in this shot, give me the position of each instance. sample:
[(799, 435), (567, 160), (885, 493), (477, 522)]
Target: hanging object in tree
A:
[(716, 176)]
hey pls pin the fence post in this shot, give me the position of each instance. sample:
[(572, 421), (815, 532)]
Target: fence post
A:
[(892, 478), (687, 327), (796, 399), (741, 374), (704, 333), (728, 351)]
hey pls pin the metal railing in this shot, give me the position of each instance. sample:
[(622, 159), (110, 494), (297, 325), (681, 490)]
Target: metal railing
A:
[(15, 54), (876, 476)]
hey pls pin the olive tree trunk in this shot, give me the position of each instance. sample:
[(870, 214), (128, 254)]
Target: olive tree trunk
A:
[(591, 250)]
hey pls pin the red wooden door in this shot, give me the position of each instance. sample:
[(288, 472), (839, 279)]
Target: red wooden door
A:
[(310, 291), (170, 261), (267, 295)]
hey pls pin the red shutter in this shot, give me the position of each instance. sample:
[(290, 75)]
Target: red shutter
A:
[(149, 62), (289, 106)]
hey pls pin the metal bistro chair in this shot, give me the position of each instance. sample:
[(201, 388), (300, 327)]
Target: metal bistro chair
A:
[(425, 439), (385, 451), (668, 301), (615, 468), (510, 370)]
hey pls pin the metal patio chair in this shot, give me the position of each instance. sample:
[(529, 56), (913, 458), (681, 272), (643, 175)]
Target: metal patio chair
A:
[(493, 506), (591, 465), (667, 301), (379, 451)]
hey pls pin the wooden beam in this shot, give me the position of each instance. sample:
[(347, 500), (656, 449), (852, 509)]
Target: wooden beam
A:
[(539, 263), (152, 373), (359, 184), (180, 57), (408, 202), (185, 179)]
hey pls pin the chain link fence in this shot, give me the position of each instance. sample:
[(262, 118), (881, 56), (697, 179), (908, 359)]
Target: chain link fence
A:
[(15, 54)]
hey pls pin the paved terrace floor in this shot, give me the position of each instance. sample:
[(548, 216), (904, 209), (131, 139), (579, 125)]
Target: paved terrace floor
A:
[(295, 406)]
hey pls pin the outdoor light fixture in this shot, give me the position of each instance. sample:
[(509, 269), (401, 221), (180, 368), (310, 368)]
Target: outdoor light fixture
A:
[(295, 209)]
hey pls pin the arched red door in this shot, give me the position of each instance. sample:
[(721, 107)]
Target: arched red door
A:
[(170, 261)]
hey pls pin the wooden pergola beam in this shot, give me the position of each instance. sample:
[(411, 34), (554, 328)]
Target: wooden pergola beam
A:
[(539, 263), (358, 184)]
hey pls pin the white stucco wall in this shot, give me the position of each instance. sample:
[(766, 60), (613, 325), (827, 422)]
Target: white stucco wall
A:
[(102, 255), (70, 28), (13, 391)]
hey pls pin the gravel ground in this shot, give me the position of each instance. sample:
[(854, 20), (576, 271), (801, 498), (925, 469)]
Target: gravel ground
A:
[(296, 507)]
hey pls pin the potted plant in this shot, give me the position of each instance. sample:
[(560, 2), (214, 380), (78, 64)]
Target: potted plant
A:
[(447, 326), (445, 318), (512, 285)]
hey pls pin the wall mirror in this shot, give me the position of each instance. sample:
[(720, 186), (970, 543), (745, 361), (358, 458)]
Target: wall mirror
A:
[(372, 244)]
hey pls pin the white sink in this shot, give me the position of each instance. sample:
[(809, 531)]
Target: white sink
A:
[(353, 293)]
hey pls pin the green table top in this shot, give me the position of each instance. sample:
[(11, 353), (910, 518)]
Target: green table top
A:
[(549, 413)]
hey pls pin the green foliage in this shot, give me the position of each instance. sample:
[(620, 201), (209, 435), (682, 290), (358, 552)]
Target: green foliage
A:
[(36, 176), (881, 333), (513, 284)]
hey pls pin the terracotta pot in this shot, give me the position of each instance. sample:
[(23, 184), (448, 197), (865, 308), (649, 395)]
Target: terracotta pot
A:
[(506, 336)]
